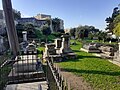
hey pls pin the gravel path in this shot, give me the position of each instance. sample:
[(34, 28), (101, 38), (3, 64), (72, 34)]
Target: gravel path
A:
[(76, 83)]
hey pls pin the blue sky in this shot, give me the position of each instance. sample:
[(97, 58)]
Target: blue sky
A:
[(73, 12)]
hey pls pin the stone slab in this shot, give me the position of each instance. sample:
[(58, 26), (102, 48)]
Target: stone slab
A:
[(28, 86)]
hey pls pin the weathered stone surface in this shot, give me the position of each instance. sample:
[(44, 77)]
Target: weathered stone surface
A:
[(28, 86)]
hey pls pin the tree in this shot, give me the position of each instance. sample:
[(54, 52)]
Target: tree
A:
[(19, 28), (116, 29), (46, 31), (56, 24), (72, 32), (110, 20), (17, 14), (30, 30)]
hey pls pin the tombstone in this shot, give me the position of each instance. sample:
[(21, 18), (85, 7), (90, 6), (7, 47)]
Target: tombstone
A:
[(42, 44), (24, 35), (25, 43), (92, 48), (107, 52), (58, 44), (31, 47), (50, 49), (50, 52), (26, 63), (65, 48)]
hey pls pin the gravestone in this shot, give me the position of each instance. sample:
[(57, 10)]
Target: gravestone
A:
[(65, 48), (92, 47), (58, 44), (107, 52), (25, 43), (24, 35), (31, 47), (26, 63), (49, 50)]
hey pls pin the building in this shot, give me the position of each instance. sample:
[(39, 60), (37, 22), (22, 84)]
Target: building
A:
[(32, 20), (42, 16)]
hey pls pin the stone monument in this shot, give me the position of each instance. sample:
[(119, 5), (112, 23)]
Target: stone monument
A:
[(24, 35), (58, 44), (25, 43), (65, 48)]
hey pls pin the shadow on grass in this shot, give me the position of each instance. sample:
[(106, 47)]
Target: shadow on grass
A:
[(92, 72), (78, 59), (76, 51), (82, 57)]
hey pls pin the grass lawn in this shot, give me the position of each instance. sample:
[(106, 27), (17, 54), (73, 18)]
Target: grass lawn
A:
[(40, 49), (100, 73)]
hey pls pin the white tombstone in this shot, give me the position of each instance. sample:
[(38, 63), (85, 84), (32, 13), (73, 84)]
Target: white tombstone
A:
[(24, 35)]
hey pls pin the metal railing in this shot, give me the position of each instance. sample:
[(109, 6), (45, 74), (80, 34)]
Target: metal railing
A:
[(55, 79), (26, 67)]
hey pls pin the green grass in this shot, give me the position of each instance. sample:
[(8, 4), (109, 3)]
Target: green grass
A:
[(100, 73), (40, 49), (101, 41)]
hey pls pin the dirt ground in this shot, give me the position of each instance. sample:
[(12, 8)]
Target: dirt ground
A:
[(76, 83)]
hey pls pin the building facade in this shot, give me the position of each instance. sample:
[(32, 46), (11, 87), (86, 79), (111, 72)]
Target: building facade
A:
[(32, 20), (42, 16)]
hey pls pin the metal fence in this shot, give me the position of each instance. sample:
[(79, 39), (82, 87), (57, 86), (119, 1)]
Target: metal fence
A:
[(26, 67), (55, 79)]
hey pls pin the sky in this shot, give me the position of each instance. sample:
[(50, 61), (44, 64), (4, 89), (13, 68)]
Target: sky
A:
[(73, 12)]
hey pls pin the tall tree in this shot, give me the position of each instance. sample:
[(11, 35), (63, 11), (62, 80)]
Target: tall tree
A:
[(46, 31), (56, 24), (110, 20)]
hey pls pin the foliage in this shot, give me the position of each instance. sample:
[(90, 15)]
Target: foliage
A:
[(16, 14), (72, 32), (84, 31), (116, 28), (100, 73), (56, 24), (113, 21), (46, 31)]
